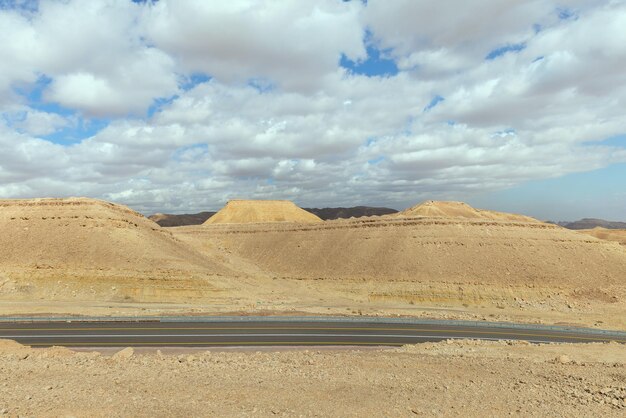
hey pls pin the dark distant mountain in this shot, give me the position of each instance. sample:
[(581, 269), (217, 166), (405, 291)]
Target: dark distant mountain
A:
[(167, 220), (590, 223), (357, 212)]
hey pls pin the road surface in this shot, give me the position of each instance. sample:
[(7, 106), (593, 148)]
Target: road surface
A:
[(268, 332)]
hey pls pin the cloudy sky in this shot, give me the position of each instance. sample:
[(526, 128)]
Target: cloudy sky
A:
[(179, 105)]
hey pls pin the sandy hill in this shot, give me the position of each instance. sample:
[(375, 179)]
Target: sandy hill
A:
[(169, 220), (89, 233), (257, 211), (424, 249), (617, 235), (433, 208), (91, 246), (352, 212)]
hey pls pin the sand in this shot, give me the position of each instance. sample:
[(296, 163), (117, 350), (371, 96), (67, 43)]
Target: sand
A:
[(80, 256), (432, 208), (470, 379), (617, 235), (423, 249), (254, 211), (90, 249), (524, 269)]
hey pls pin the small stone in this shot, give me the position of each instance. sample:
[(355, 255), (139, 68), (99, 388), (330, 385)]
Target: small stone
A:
[(564, 359), (124, 354)]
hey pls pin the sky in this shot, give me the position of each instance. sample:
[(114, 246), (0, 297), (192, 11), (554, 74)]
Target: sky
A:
[(179, 105)]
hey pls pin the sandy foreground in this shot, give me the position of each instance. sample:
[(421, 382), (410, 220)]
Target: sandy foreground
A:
[(453, 378)]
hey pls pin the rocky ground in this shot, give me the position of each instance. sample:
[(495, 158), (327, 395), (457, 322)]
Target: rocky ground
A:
[(452, 378)]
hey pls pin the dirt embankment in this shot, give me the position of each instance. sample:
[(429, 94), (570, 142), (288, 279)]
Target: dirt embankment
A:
[(471, 378)]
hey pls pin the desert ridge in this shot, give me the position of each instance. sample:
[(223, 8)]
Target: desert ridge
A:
[(423, 249), (261, 211), (451, 209), (88, 233), (275, 255)]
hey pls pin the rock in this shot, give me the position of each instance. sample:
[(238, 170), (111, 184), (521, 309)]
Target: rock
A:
[(564, 359), (124, 354)]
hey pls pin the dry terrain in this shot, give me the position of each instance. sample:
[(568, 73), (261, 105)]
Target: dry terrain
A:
[(254, 211), (83, 256), (168, 220), (90, 250), (470, 379), (617, 235), (504, 269), (437, 209)]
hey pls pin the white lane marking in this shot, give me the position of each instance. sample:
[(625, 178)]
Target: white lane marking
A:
[(258, 335)]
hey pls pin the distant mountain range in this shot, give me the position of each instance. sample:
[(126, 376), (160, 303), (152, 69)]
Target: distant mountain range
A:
[(168, 220), (590, 223), (356, 212)]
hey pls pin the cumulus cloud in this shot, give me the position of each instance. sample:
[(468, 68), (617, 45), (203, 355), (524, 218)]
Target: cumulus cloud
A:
[(291, 43), (94, 54), (207, 101)]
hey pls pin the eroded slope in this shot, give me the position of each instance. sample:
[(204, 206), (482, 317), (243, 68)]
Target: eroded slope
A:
[(87, 248)]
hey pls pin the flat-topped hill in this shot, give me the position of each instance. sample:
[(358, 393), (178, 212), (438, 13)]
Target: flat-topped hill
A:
[(261, 211), (448, 209), (81, 233)]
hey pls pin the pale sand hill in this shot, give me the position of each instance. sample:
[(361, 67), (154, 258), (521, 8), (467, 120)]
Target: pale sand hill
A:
[(90, 248), (254, 211), (424, 249), (521, 267), (432, 208), (617, 235)]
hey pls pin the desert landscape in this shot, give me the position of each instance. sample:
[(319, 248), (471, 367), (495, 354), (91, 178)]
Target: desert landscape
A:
[(325, 208), (445, 260), (451, 378), (437, 259)]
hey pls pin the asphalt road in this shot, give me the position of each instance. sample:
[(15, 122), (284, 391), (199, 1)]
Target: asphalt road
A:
[(270, 333)]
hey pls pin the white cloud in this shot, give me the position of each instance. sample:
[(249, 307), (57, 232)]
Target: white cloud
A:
[(92, 51), (318, 135), (291, 43)]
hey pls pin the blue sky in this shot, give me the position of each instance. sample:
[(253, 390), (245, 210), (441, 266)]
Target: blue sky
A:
[(570, 197), (334, 103)]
